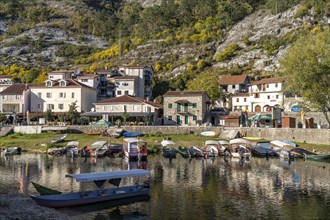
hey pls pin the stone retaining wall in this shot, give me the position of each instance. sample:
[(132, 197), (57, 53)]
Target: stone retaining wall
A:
[(312, 136)]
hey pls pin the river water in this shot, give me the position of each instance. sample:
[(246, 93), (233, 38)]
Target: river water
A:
[(186, 189)]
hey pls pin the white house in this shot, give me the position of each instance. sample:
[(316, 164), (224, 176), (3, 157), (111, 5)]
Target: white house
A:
[(126, 85), (91, 80), (5, 82), (15, 98), (136, 107), (57, 95), (144, 81), (262, 96), (60, 74)]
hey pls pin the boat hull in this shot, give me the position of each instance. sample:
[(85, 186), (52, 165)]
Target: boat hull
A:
[(89, 197)]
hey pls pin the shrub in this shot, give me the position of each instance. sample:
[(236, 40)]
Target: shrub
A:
[(227, 53)]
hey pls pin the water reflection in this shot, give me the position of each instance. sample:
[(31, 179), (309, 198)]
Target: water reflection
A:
[(183, 189)]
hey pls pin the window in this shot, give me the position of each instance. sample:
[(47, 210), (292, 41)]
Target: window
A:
[(267, 85), (256, 95), (125, 108), (126, 92), (51, 77), (39, 106), (60, 106), (48, 84), (169, 105), (50, 106), (62, 83), (237, 99), (194, 105), (62, 95), (125, 84), (276, 85), (39, 94), (84, 80), (268, 97), (233, 86), (194, 117), (134, 107), (277, 96), (244, 99), (118, 92), (49, 95), (72, 95), (17, 97), (170, 118)]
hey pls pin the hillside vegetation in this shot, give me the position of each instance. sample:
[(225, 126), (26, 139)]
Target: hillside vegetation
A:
[(181, 39)]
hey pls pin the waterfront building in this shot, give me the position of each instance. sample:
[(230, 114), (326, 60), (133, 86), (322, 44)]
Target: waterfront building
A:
[(186, 107), (15, 99)]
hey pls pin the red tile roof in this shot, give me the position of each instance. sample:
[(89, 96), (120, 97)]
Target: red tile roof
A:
[(184, 93), (232, 80), (4, 77), (128, 99), (269, 80), (15, 89)]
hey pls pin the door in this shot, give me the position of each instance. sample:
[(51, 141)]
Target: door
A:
[(258, 108)]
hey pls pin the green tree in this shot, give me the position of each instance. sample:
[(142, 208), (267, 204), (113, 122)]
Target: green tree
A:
[(3, 118), (124, 116), (307, 67), (73, 114), (49, 116), (208, 81)]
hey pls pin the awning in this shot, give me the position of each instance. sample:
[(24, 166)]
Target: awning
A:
[(88, 177), (182, 101), (260, 117)]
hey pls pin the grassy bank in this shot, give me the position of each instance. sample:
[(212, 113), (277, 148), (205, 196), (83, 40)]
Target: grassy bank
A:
[(40, 142)]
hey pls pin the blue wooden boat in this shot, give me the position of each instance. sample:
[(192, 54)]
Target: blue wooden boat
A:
[(99, 195), (132, 134)]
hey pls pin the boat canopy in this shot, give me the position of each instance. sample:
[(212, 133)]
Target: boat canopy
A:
[(89, 177), (281, 143), (211, 142), (133, 140)]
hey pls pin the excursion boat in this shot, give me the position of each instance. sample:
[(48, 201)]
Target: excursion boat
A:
[(196, 152), (11, 151), (58, 139), (168, 149), (43, 190), (240, 152), (212, 148), (100, 148), (183, 151), (71, 149), (135, 148), (99, 195)]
